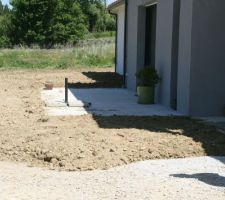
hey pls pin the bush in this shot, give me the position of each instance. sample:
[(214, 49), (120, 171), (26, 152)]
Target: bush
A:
[(148, 76), (4, 42), (4, 32), (97, 35), (46, 22)]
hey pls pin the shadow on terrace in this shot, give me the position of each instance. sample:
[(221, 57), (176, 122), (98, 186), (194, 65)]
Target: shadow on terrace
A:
[(211, 140), (100, 80)]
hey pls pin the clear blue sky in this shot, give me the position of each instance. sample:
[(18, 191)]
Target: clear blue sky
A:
[(7, 1), (109, 1)]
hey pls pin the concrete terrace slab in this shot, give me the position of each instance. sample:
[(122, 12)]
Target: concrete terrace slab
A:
[(55, 103), (106, 102), (200, 178)]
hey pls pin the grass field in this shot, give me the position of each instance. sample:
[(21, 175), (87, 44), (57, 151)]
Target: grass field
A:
[(89, 53)]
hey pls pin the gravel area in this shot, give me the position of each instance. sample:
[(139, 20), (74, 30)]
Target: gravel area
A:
[(200, 178)]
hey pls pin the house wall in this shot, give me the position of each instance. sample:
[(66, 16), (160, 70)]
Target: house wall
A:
[(120, 39), (132, 44), (135, 40), (164, 45), (195, 43), (184, 60), (207, 72), (201, 66), (164, 50)]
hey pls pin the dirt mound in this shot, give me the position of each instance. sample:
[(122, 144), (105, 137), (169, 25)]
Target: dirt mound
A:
[(88, 142)]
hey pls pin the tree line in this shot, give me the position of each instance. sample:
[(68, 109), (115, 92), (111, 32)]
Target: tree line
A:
[(49, 22)]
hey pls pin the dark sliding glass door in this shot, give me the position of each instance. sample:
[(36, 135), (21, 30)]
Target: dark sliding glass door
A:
[(150, 35)]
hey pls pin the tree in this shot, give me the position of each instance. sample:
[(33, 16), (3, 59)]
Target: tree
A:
[(110, 22), (50, 22), (4, 26), (46, 22), (1, 8), (97, 16), (69, 25), (4, 39)]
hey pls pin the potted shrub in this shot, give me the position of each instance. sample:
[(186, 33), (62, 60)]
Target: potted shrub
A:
[(147, 79)]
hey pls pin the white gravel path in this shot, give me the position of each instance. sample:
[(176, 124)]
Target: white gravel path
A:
[(203, 178)]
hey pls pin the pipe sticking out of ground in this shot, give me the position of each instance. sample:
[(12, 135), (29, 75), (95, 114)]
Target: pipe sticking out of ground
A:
[(66, 91)]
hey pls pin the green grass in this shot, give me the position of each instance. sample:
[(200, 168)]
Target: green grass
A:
[(90, 54), (97, 35)]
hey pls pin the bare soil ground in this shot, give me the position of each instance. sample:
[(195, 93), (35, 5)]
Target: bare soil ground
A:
[(89, 142)]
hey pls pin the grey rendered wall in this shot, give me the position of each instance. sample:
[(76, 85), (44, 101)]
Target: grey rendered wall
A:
[(132, 43), (164, 41), (207, 79), (120, 39), (184, 60), (136, 40)]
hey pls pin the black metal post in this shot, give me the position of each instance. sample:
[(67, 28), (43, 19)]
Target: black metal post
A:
[(66, 91)]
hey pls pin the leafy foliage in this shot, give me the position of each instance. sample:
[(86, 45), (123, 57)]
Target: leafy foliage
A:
[(4, 31), (50, 22), (46, 22), (3, 9), (148, 76), (4, 26), (98, 19)]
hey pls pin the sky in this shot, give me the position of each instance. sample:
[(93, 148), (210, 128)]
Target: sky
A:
[(7, 1), (109, 1)]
